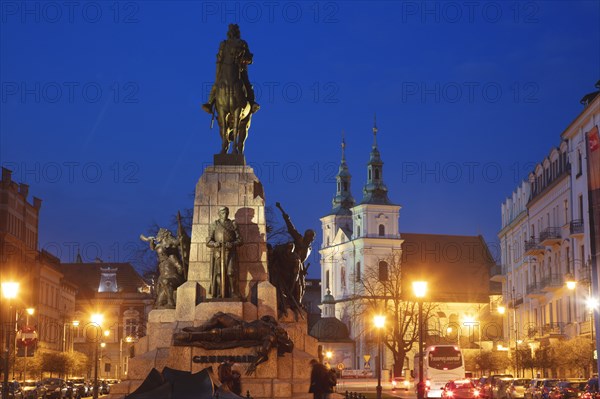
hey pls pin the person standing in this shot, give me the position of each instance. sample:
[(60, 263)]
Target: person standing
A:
[(320, 386)]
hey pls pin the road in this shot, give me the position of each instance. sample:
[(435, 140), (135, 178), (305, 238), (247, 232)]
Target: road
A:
[(366, 385)]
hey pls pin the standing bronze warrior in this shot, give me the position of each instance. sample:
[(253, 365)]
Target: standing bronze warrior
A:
[(224, 238)]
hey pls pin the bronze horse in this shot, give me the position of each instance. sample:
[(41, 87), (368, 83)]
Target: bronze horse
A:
[(231, 100)]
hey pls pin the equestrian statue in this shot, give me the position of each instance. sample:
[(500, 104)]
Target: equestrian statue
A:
[(232, 95)]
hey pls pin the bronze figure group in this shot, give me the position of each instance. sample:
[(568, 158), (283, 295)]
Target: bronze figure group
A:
[(173, 261), (225, 331), (288, 267)]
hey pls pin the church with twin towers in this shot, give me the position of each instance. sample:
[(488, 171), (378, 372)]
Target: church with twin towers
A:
[(363, 249)]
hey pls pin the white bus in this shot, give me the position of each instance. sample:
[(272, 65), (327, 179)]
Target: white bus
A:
[(441, 364)]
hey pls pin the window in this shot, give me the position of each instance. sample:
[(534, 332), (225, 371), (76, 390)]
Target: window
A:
[(580, 200), (383, 271), (131, 327), (357, 272), (327, 279), (381, 230), (358, 231), (376, 174), (579, 164)]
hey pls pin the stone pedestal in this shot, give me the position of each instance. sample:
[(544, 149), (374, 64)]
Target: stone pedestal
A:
[(236, 187)]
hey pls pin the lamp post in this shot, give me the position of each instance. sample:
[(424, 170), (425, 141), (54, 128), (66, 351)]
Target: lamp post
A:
[(29, 312), (420, 290), (128, 339), (9, 292), (75, 324), (379, 322), (591, 303), (97, 320)]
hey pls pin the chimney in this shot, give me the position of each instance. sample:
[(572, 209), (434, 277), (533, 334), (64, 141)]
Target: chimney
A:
[(24, 189), (37, 203), (6, 175)]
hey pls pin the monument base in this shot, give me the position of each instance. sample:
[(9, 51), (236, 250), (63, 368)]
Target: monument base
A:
[(285, 376), (229, 159)]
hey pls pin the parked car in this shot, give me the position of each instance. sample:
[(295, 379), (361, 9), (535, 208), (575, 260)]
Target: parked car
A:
[(80, 387), (500, 388), (14, 390), (568, 389), (460, 389), (534, 390), (516, 388), (591, 389), (104, 387), (545, 388), (56, 388), (33, 389)]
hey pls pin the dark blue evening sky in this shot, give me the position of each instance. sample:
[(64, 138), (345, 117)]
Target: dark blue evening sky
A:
[(100, 106)]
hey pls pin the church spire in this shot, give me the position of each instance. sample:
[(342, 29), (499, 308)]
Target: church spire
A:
[(375, 191), (375, 130), (343, 200)]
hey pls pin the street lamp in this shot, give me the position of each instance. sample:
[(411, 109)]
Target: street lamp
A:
[(591, 303), (97, 320), (9, 292), (29, 312), (128, 339), (420, 290), (379, 322)]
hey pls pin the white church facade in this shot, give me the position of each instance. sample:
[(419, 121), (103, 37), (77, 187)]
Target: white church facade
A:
[(362, 239)]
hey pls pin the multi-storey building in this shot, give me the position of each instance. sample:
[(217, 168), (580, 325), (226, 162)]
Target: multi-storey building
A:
[(362, 245), (121, 298), (545, 241), (43, 287)]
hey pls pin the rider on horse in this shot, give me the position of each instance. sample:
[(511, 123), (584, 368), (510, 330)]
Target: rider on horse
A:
[(234, 49)]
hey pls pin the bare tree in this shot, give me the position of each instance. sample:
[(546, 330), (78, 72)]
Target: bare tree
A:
[(382, 292)]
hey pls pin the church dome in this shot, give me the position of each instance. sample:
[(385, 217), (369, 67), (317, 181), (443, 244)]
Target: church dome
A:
[(328, 298), (330, 329)]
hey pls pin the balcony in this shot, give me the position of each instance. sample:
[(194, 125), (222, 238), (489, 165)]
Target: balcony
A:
[(552, 282), (498, 273), (585, 327), (518, 301), (576, 227), (535, 290), (532, 332), (552, 329), (550, 236), (533, 247)]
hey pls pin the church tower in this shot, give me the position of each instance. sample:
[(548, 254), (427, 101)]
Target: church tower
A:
[(337, 225), (375, 216)]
